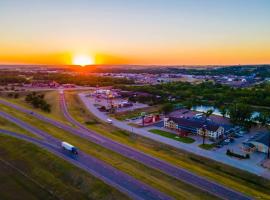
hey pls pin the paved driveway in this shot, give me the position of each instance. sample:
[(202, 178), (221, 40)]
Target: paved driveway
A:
[(258, 170)]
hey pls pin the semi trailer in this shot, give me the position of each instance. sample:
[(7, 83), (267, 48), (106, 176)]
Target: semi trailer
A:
[(69, 147)]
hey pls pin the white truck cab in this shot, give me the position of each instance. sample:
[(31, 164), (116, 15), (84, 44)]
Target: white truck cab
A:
[(69, 147)]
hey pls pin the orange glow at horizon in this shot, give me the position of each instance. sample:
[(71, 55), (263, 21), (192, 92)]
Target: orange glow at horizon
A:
[(214, 56), (82, 60)]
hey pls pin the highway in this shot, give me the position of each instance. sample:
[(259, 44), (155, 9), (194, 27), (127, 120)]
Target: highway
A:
[(177, 172), (123, 182), (190, 148)]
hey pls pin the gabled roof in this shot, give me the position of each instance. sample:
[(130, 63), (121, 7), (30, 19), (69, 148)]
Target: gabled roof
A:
[(191, 123)]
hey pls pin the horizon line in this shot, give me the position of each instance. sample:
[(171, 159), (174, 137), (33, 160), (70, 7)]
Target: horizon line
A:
[(154, 65)]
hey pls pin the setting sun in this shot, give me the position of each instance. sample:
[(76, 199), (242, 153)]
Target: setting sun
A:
[(82, 60)]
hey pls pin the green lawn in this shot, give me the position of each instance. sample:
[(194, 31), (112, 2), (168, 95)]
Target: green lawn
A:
[(7, 125), (29, 172), (187, 140), (135, 125), (135, 113), (243, 181), (152, 177), (207, 146)]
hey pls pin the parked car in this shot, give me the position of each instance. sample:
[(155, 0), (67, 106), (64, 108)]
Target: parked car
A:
[(226, 142), (109, 121)]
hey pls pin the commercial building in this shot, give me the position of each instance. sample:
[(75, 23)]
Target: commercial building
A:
[(259, 142), (194, 126)]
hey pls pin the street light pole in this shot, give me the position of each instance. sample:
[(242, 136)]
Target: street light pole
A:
[(268, 150)]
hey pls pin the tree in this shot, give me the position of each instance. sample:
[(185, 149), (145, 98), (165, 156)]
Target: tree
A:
[(188, 104), (223, 111), (207, 114), (263, 118), (240, 114), (167, 108), (143, 114), (204, 133), (38, 101)]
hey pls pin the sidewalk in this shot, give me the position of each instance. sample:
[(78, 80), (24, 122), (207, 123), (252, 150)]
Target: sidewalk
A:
[(255, 169)]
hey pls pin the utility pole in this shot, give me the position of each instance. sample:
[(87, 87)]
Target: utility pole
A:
[(132, 135), (143, 116), (204, 132), (268, 151)]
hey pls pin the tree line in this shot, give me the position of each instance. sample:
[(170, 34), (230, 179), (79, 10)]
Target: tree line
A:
[(38, 101), (82, 79), (237, 103), (78, 79), (206, 93)]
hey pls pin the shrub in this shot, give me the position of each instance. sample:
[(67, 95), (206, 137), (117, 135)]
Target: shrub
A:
[(38, 101), (230, 153)]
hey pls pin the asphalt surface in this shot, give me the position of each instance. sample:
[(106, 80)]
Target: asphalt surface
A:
[(191, 148), (123, 182), (176, 172)]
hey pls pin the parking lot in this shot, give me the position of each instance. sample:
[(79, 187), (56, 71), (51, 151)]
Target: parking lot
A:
[(235, 146), (252, 165)]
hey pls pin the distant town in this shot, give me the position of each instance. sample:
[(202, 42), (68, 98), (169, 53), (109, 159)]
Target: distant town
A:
[(219, 114)]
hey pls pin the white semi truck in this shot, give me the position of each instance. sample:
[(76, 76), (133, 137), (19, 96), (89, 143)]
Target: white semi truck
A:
[(69, 147)]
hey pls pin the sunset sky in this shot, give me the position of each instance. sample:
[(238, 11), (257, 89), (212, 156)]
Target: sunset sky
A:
[(167, 32)]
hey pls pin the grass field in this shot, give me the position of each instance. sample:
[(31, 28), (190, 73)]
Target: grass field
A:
[(52, 97), (154, 178), (7, 125), (250, 184), (207, 146), (28, 172), (172, 136), (135, 113)]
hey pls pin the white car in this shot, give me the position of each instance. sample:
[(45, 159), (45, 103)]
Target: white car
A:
[(227, 140), (109, 121)]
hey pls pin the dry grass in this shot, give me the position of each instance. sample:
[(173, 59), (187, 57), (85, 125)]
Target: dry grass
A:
[(242, 181), (52, 97), (135, 113), (154, 178), (7, 125), (28, 172)]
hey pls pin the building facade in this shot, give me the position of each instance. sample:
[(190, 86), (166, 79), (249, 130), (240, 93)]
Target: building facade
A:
[(195, 127), (260, 142)]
